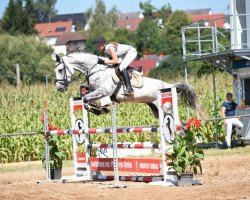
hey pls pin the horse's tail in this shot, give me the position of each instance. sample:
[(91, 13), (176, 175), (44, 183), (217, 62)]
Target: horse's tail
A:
[(189, 97)]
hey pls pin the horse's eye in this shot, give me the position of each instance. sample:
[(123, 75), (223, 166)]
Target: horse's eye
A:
[(60, 71)]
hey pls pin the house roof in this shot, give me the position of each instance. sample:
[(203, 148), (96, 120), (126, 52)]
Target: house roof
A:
[(130, 15), (219, 19), (204, 11), (70, 36), (53, 29), (130, 23), (77, 18), (146, 64)]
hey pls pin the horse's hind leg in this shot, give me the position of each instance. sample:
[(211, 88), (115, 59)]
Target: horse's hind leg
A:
[(154, 109)]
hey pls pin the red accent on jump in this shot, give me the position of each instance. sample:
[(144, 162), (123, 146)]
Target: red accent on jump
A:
[(76, 132), (127, 165), (80, 157), (119, 130), (77, 106), (103, 146), (138, 146), (137, 130), (92, 130), (60, 132), (166, 97)]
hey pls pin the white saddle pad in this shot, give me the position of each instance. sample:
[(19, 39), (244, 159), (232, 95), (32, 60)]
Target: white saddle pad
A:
[(136, 81)]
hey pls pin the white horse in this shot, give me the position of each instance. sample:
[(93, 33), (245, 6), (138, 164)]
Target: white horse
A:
[(101, 83)]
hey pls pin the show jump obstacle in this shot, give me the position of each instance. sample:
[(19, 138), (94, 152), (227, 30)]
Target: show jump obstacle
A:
[(88, 168)]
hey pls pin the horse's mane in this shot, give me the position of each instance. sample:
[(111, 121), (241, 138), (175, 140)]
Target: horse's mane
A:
[(80, 50)]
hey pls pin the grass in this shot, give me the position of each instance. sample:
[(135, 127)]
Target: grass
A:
[(242, 151)]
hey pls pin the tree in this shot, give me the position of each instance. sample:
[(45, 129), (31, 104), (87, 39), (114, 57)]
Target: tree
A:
[(9, 18), (34, 58), (18, 19), (44, 10), (172, 31), (148, 36), (30, 18), (101, 22), (147, 8)]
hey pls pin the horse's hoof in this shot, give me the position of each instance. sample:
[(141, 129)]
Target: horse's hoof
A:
[(105, 110)]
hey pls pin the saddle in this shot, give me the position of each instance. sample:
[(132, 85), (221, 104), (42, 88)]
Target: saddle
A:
[(135, 73)]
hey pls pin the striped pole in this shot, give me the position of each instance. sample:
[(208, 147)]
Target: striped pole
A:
[(129, 178), (102, 131), (126, 146)]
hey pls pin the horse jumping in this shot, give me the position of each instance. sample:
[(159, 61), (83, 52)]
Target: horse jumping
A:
[(102, 84)]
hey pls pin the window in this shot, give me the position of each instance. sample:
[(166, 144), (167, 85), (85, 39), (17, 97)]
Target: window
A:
[(60, 29)]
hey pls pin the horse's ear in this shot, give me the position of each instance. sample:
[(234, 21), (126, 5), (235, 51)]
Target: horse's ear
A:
[(55, 57)]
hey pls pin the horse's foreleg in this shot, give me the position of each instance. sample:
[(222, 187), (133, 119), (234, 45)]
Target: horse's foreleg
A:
[(96, 95), (94, 103)]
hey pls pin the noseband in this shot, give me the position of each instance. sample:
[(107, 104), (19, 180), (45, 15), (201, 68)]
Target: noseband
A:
[(64, 81)]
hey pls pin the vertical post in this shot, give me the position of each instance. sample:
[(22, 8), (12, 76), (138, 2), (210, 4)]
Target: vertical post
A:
[(86, 127), (18, 79), (186, 80), (213, 38), (73, 120), (183, 43), (215, 108), (114, 144), (46, 140), (175, 106), (47, 80), (216, 38), (163, 142), (199, 39)]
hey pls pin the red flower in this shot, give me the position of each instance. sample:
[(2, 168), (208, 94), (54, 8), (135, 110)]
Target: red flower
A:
[(179, 127), (188, 126), (50, 127)]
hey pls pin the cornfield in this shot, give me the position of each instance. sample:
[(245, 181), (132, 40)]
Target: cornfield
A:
[(21, 109)]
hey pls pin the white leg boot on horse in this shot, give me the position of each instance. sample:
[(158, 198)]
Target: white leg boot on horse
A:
[(125, 76)]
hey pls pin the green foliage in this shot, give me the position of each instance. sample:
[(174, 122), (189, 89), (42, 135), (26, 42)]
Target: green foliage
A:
[(55, 152), (18, 19), (186, 156), (101, 22), (147, 8), (171, 68), (44, 10), (33, 57), (148, 36)]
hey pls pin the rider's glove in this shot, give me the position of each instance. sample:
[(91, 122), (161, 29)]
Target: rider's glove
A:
[(100, 61)]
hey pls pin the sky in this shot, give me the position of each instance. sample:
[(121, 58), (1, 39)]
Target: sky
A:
[(77, 6)]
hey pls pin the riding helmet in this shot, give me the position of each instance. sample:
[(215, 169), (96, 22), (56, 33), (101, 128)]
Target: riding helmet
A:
[(100, 40)]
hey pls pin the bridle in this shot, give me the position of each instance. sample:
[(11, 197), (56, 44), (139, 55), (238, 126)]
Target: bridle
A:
[(64, 81)]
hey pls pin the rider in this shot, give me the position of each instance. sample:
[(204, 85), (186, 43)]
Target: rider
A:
[(126, 52)]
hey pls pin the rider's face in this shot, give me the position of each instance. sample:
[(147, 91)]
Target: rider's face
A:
[(100, 47)]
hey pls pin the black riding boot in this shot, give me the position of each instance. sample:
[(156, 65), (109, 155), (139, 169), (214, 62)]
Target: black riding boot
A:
[(126, 79)]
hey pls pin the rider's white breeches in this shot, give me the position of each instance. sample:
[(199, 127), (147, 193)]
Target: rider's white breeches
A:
[(128, 58), (229, 123)]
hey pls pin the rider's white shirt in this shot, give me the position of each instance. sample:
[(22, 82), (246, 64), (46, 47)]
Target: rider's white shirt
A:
[(121, 49)]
